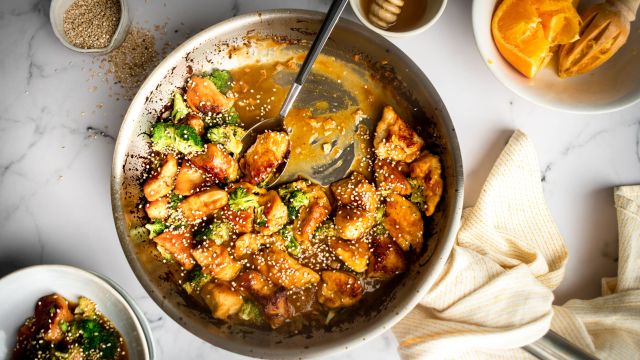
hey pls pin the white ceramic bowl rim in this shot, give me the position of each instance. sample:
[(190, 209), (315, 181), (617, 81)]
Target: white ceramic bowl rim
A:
[(132, 308), (480, 24)]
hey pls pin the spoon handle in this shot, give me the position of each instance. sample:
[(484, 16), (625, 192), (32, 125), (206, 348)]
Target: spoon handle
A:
[(552, 346), (333, 15)]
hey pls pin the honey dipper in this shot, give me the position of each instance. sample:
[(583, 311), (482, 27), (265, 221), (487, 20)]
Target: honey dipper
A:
[(604, 30), (384, 13)]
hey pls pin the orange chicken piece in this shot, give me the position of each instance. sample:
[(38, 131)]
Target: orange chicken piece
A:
[(394, 139), (161, 184)]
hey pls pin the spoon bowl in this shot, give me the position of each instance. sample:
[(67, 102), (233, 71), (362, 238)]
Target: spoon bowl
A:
[(249, 138), (336, 169), (323, 174)]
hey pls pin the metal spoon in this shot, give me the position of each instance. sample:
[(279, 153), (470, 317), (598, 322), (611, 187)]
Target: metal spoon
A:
[(338, 168), (552, 346)]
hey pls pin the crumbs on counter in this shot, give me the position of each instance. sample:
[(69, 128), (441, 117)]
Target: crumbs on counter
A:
[(131, 62), (80, 25), (122, 71), (134, 59)]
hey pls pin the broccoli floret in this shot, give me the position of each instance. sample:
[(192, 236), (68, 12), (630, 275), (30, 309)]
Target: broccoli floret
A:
[(231, 117), (174, 200), (227, 117), (221, 79), (295, 201), (251, 312), (183, 138), (195, 280), (260, 218), (380, 230), (285, 190), (155, 228), (293, 196), (417, 193), (86, 308), (218, 232), (180, 109), (326, 229), (139, 234), (379, 214), (98, 340), (298, 199), (202, 234), (241, 199), (167, 256), (228, 136), (64, 326), (292, 245)]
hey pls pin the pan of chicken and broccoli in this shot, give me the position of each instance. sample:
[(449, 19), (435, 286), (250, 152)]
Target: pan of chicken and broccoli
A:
[(299, 268)]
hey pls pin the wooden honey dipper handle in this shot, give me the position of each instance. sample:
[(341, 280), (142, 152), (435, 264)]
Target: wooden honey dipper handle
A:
[(627, 7), (384, 13)]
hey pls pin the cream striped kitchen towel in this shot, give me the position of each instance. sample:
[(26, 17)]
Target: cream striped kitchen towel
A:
[(495, 293), (609, 326)]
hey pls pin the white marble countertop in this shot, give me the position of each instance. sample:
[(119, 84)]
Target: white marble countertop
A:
[(57, 129)]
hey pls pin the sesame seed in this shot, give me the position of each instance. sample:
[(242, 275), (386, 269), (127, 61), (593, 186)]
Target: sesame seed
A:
[(81, 27), (134, 59)]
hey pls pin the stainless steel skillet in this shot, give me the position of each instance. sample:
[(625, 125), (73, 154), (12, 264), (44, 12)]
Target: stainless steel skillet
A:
[(231, 44)]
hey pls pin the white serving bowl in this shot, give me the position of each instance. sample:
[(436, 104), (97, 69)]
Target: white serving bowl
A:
[(21, 289), (223, 46), (435, 8), (612, 86)]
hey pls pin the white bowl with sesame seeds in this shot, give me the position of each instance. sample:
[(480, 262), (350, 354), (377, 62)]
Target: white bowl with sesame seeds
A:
[(83, 33), (27, 285)]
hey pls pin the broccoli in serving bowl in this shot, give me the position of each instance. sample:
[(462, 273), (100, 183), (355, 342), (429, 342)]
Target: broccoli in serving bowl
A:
[(229, 136), (180, 108), (182, 138), (241, 199), (221, 79), (294, 197)]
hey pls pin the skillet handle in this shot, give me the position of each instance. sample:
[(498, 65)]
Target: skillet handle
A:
[(552, 346), (330, 21)]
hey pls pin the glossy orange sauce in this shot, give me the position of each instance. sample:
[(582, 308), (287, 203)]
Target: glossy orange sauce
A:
[(318, 133)]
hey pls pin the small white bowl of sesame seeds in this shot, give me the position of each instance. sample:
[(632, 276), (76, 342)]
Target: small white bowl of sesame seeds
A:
[(90, 26)]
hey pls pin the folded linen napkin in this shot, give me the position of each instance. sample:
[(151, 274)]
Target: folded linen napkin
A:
[(609, 326), (495, 293)]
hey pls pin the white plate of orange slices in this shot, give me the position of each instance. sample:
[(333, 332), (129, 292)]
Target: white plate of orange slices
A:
[(519, 41)]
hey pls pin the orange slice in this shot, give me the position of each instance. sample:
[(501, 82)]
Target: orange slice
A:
[(560, 21), (526, 31), (519, 36)]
